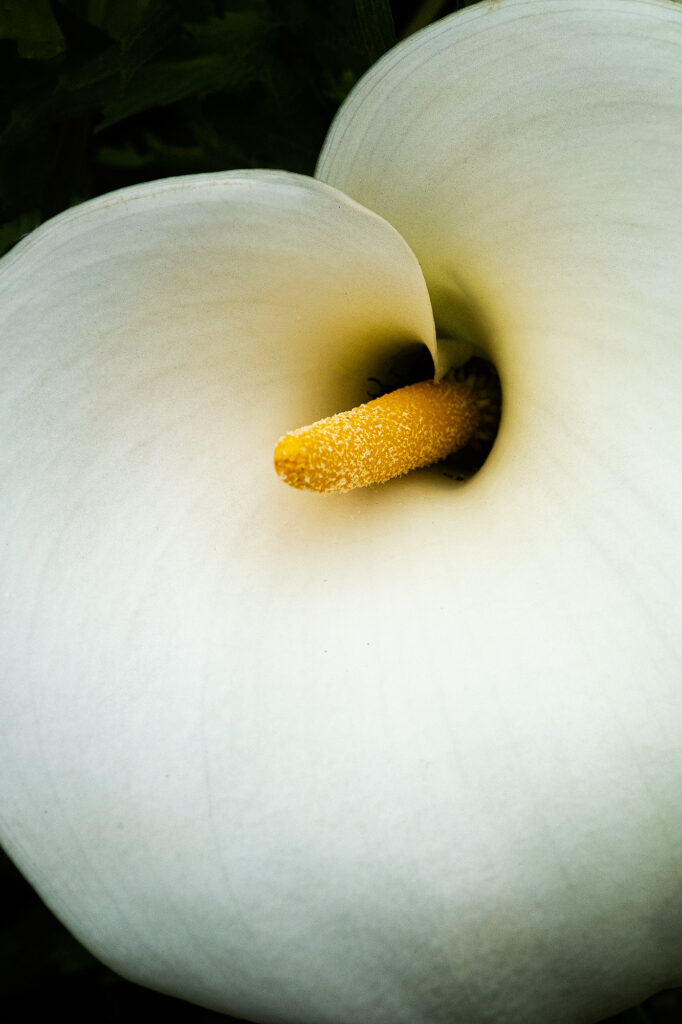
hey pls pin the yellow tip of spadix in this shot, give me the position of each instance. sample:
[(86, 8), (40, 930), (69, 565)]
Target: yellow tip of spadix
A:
[(406, 429)]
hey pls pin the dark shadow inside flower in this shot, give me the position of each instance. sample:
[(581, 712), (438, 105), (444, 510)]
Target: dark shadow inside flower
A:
[(413, 363)]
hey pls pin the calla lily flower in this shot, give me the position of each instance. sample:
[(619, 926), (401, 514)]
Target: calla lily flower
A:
[(409, 754)]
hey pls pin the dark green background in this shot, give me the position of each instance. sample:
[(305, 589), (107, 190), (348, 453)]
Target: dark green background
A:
[(99, 94)]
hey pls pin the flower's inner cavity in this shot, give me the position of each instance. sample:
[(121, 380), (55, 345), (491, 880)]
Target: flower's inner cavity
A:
[(413, 363), (409, 421), (410, 364)]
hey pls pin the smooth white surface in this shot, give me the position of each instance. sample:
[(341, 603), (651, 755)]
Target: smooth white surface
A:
[(405, 755), (530, 153)]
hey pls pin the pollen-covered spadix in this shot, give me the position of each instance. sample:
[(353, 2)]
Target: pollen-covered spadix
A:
[(411, 754)]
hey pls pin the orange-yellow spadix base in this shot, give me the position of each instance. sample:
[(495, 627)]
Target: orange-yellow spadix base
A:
[(406, 429)]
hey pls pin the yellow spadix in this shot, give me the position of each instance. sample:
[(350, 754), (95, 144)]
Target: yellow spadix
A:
[(412, 427)]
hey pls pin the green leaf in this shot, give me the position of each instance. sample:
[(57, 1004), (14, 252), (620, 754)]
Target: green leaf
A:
[(148, 88), (118, 18), (164, 82), (16, 229), (33, 26), (235, 29), (376, 31)]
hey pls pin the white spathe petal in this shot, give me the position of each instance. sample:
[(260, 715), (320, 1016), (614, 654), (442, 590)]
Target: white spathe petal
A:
[(531, 155), (408, 755), (156, 575)]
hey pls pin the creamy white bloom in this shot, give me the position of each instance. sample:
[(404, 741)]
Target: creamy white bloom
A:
[(410, 754)]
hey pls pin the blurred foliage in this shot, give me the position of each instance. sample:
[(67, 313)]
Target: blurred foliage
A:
[(99, 94)]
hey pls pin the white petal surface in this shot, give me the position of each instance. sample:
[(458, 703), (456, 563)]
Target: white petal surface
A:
[(530, 152), (174, 618), (408, 755)]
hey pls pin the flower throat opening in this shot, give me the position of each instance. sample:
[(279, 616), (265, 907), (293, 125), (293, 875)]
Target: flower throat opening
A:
[(409, 422)]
